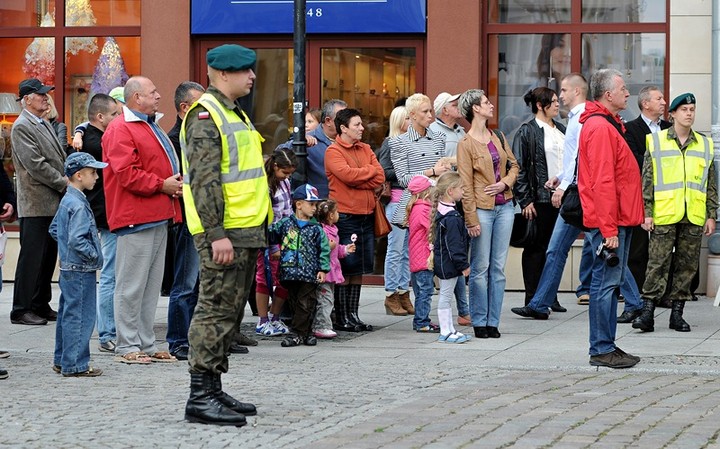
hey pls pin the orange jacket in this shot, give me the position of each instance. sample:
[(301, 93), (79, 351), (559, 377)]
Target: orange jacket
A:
[(353, 174)]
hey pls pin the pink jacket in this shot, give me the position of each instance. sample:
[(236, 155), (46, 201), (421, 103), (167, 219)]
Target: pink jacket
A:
[(419, 224), (335, 274)]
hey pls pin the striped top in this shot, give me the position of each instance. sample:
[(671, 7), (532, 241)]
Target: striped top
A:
[(411, 154)]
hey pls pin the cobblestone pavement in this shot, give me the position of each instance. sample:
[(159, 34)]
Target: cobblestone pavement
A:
[(532, 388)]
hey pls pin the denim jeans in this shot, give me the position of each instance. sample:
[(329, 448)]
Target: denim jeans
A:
[(75, 321), (185, 288), (106, 288), (397, 262), (586, 262), (488, 254), (461, 299), (604, 292), (423, 287)]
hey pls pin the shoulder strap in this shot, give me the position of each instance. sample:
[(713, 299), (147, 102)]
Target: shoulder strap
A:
[(499, 135)]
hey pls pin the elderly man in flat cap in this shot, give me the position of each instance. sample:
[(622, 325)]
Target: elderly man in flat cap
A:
[(227, 205), (38, 157), (142, 186), (681, 201)]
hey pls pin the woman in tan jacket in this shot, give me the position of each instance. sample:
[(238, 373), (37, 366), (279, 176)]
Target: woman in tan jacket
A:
[(488, 170)]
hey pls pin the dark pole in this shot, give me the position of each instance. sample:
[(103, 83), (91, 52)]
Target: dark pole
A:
[(299, 143)]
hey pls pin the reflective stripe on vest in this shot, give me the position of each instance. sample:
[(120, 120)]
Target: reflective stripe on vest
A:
[(679, 180), (242, 174)]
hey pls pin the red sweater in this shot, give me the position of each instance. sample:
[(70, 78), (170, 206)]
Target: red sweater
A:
[(608, 179), (353, 174), (138, 166)]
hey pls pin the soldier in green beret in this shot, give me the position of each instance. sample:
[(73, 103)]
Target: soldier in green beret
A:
[(227, 205), (681, 200)]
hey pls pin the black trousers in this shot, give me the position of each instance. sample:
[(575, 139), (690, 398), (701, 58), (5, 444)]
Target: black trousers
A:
[(35, 266), (302, 297), (533, 256)]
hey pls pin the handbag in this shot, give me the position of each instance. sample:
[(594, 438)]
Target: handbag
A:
[(382, 225), (523, 231), (571, 207)]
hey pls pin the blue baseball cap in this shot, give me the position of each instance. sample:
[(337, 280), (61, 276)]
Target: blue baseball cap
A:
[(306, 192), (77, 161)]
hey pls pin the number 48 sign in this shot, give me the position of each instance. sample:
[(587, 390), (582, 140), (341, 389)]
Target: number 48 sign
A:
[(336, 16)]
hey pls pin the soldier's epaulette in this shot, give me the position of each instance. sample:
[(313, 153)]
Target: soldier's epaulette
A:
[(203, 115)]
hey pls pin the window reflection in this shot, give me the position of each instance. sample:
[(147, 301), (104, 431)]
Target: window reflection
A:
[(24, 13), (639, 56), (623, 11), (529, 11)]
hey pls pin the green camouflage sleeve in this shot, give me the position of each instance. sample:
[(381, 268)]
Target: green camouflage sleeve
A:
[(203, 153), (711, 203), (648, 189)]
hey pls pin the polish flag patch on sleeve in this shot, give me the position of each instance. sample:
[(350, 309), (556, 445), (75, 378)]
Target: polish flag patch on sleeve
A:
[(203, 115)]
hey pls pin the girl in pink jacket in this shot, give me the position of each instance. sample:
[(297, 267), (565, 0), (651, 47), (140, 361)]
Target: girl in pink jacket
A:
[(327, 214), (421, 274)]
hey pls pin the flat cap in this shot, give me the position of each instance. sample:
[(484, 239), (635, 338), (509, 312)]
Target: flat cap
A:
[(231, 57), (686, 98)]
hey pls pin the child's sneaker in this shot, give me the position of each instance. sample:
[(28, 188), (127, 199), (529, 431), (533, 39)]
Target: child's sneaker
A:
[(275, 328), (455, 337), (261, 328), (325, 333)]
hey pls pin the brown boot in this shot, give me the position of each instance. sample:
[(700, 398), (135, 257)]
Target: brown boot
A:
[(392, 305), (406, 304)]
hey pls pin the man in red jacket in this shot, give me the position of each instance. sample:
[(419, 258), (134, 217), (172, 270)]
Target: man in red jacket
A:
[(611, 196), (142, 187)]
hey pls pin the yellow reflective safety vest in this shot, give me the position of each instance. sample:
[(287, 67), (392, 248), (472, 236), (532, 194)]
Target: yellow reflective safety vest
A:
[(680, 178), (242, 171)]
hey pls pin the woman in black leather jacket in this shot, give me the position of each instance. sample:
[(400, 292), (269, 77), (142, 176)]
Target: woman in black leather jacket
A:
[(538, 146)]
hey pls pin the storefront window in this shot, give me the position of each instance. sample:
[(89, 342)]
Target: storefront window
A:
[(529, 11), (639, 56), (102, 12), (623, 11), (370, 80), (271, 100), (22, 13)]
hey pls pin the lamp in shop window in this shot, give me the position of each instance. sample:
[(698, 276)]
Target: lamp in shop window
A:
[(8, 106)]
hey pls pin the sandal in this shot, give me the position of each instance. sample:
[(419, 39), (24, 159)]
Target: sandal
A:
[(455, 337), (134, 358), (163, 357), (92, 372), (431, 328)]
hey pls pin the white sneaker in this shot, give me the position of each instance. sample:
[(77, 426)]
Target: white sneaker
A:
[(275, 328), (261, 328), (325, 333)]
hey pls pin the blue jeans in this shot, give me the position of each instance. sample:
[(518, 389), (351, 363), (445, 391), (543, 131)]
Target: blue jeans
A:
[(461, 299), (488, 254), (75, 321), (423, 287), (397, 262), (586, 261), (185, 288), (106, 288), (604, 292)]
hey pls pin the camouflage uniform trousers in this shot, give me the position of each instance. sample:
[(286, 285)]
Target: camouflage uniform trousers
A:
[(686, 238), (223, 293)]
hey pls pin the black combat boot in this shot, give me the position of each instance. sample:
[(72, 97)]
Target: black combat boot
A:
[(204, 407), (230, 402), (646, 321), (676, 319)]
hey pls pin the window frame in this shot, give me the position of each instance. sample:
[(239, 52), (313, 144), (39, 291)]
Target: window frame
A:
[(576, 28)]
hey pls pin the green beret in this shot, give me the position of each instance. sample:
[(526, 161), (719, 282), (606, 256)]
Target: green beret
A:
[(231, 57), (680, 100)]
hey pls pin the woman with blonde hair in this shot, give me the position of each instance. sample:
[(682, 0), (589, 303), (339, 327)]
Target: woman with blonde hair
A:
[(397, 265), (489, 170), (59, 127), (419, 151)]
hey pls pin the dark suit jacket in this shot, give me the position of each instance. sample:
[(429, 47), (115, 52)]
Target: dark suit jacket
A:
[(38, 158), (635, 132)]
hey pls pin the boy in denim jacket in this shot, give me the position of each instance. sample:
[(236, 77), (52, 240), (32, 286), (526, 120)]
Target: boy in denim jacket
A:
[(80, 257), (304, 261)]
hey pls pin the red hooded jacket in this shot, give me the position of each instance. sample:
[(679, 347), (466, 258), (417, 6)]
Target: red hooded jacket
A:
[(608, 179)]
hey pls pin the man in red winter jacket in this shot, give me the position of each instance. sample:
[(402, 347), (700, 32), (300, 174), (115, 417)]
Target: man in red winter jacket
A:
[(611, 196)]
